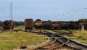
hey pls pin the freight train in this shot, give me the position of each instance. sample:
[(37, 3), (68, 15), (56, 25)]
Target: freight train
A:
[(55, 24), (29, 24), (61, 25)]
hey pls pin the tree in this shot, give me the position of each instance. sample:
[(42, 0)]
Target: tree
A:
[(8, 25)]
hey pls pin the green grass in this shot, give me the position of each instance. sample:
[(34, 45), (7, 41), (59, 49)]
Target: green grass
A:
[(15, 39)]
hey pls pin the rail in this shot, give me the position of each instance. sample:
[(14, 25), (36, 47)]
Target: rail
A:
[(66, 42)]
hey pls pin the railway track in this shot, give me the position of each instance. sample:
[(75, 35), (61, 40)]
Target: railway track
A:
[(64, 41), (58, 42)]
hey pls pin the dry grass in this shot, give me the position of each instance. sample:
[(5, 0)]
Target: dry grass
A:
[(15, 39), (77, 35), (80, 36)]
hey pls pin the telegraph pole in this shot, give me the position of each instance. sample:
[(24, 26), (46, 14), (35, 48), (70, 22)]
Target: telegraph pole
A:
[(11, 10), (11, 15)]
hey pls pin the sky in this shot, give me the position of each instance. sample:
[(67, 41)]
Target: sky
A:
[(56, 10)]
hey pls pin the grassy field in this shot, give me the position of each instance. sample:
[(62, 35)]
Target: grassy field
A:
[(80, 36), (77, 35), (15, 39)]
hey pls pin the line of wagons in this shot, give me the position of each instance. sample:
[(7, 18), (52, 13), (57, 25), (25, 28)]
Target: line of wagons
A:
[(39, 24)]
